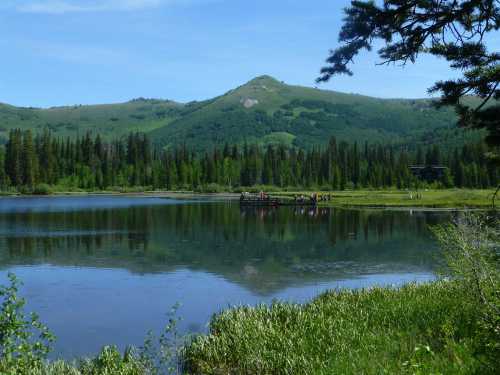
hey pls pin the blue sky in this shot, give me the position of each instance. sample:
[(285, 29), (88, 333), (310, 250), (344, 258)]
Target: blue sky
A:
[(63, 52)]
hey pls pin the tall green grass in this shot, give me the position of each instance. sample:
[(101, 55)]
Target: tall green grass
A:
[(414, 329), (444, 327)]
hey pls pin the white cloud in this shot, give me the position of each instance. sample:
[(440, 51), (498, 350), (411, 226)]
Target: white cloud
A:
[(73, 6)]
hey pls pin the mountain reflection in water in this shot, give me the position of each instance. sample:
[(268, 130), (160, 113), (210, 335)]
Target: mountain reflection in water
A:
[(263, 249), (107, 266)]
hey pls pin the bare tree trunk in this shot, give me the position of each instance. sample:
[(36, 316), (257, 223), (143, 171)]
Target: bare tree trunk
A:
[(495, 196)]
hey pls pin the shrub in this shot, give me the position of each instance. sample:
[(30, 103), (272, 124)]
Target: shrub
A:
[(24, 341), (42, 189), (25, 344), (25, 190), (211, 188), (471, 247)]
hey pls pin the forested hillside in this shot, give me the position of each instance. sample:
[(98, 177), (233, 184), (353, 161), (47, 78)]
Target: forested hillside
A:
[(266, 111), (91, 164), (110, 121), (263, 111)]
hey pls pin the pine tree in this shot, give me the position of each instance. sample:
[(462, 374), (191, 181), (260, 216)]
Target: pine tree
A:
[(4, 181), (29, 160), (13, 158)]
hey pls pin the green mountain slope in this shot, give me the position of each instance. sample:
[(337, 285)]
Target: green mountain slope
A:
[(268, 111), (111, 120), (263, 111)]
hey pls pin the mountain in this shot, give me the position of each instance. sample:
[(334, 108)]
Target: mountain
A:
[(268, 111), (110, 120), (263, 111)]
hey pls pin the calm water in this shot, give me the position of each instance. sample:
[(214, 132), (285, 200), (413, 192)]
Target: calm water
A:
[(103, 270)]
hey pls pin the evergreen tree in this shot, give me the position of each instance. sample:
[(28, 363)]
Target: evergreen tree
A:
[(13, 158), (29, 160)]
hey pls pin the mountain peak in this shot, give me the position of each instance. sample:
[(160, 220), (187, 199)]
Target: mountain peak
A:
[(264, 79), (263, 110)]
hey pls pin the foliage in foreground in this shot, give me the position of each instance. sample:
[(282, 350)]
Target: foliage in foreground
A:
[(455, 30), (445, 327), (25, 344), (399, 331), (24, 341)]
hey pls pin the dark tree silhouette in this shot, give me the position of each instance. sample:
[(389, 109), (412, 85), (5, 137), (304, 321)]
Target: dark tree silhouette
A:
[(455, 30), (90, 163), (452, 29)]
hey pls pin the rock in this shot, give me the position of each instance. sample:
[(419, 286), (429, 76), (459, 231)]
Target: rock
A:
[(249, 103)]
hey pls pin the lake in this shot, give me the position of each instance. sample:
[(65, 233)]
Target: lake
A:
[(107, 269)]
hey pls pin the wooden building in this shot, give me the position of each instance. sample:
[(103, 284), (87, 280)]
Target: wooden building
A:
[(428, 173)]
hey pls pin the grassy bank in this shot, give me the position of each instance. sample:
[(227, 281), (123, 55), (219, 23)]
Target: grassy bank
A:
[(445, 327), (430, 198), (438, 198), (449, 198), (416, 329)]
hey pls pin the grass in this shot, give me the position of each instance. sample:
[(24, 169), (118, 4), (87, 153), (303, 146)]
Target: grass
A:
[(445, 198), (427, 198), (444, 327), (416, 330)]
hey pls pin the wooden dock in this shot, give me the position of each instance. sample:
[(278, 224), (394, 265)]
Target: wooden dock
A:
[(275, 202)]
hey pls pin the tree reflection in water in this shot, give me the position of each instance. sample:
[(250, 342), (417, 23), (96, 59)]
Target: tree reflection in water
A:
[(263, 249)]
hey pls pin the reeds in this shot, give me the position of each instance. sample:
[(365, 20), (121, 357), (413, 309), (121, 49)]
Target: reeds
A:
[(371, 331)]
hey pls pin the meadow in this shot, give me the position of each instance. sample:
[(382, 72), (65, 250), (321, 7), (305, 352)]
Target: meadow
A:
[(429, 198)]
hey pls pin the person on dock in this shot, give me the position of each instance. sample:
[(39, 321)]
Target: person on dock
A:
[(314, 198)]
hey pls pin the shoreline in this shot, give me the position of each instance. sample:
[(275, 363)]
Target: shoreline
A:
[(153, 194), (354, 199)]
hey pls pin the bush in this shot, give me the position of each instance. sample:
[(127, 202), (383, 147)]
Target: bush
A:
[(25, 344), (24, 190), (42, 189), (471, 250), (24, 341), (211, 188)]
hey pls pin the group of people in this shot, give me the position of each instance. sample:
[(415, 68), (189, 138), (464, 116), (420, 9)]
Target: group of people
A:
[(299, 199), (314, 198), (414, 195)]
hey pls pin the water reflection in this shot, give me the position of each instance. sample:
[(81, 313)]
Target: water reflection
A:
[(104, 270), (261, 249)]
